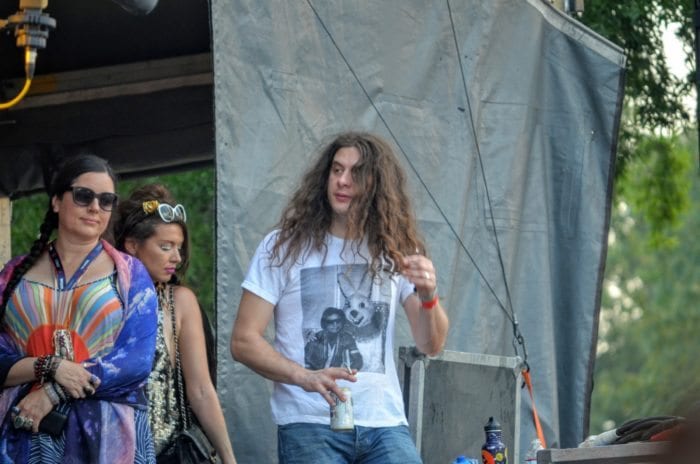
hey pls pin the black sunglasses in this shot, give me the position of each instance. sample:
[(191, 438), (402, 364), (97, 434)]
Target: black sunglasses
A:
[(83, 196)]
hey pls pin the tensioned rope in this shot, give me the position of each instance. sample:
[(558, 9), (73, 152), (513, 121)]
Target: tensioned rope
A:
[(510, 315), (517, 334)]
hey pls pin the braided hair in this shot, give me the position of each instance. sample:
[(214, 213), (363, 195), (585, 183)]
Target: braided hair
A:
[(61, 182)]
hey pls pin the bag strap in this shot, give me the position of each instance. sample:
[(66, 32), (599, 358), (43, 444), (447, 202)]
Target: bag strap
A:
[(179, 382)]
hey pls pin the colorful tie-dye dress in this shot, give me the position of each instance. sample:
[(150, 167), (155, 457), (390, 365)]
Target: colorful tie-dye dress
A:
[(112, 322)]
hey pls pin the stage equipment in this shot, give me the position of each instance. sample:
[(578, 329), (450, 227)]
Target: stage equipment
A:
[(137, 7), (449, 398), (31, 27)]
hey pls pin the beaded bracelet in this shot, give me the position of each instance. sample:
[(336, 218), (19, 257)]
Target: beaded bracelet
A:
[(42, 366), (37, 367), (53, 366)]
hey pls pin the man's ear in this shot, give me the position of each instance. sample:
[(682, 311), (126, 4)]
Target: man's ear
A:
[(131, 246)]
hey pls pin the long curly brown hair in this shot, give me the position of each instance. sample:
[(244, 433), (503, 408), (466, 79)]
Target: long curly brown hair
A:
[(380, 213)]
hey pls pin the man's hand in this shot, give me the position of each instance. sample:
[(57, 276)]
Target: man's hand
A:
[(324, 382), (429, 323), (420, 271)]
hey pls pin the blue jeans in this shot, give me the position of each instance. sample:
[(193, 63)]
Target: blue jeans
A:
[(302, 443)]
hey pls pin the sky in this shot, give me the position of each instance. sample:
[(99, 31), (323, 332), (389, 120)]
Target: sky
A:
[(674, 55), (673, 50)]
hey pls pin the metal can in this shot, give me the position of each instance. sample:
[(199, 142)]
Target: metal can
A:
[(341, 413)]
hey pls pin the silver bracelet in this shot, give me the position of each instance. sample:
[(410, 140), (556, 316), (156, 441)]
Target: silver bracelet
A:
[(51, 393)]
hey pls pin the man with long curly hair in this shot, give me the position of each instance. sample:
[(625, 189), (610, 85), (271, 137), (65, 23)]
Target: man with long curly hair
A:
[(347, 239)]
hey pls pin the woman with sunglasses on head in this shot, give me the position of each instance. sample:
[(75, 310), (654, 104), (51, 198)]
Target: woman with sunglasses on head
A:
[(77, 334), (152, 227)]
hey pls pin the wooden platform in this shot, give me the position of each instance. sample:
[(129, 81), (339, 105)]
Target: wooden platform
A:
[(631, 453)]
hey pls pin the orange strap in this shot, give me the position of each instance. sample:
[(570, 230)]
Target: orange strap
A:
[(528, 382)]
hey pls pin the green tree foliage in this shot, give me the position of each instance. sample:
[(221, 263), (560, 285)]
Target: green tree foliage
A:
[(657, 186), (194, 189), (654, 97), (648, 342), (653, 94)]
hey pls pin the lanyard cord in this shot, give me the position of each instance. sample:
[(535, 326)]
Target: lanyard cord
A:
[(60, 273)]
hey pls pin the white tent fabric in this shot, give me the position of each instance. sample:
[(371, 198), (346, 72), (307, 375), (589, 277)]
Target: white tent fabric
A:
[(505, 114)]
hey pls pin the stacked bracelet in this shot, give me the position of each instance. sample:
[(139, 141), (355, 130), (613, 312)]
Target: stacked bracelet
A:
[(45, 368), (51, 392), (430, 304), (42, 368), (60, 391), (53, 366), (38, 362)]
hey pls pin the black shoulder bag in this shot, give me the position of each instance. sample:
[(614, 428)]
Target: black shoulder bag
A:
[(191, 445)]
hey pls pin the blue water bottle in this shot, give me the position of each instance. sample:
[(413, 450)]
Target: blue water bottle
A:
[(465, 460), (493, 451)]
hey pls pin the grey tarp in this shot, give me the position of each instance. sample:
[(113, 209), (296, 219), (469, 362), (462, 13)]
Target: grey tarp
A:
[(505, 114)]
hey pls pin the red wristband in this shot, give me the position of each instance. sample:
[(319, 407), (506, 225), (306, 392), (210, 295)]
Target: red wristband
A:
[(430, 304)]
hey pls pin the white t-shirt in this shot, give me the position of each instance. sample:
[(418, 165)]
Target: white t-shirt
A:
[(301, 292)]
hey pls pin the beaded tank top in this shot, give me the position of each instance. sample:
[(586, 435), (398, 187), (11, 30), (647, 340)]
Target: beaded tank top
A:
[(162, 397)]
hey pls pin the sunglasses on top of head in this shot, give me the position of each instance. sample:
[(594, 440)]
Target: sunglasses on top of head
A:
[(83, 196), (172, 213), (166, 212)]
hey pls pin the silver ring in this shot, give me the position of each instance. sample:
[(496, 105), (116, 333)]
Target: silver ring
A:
[(21, 422), (427, 275), (93, 379), (15, 410)]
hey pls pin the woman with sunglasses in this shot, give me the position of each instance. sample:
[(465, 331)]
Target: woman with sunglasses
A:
[(152, 227), (77, 334)]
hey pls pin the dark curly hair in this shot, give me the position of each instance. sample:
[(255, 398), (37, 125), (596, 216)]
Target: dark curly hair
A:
[(61, 181), (133, 222), (381, 213), (331, 311)]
